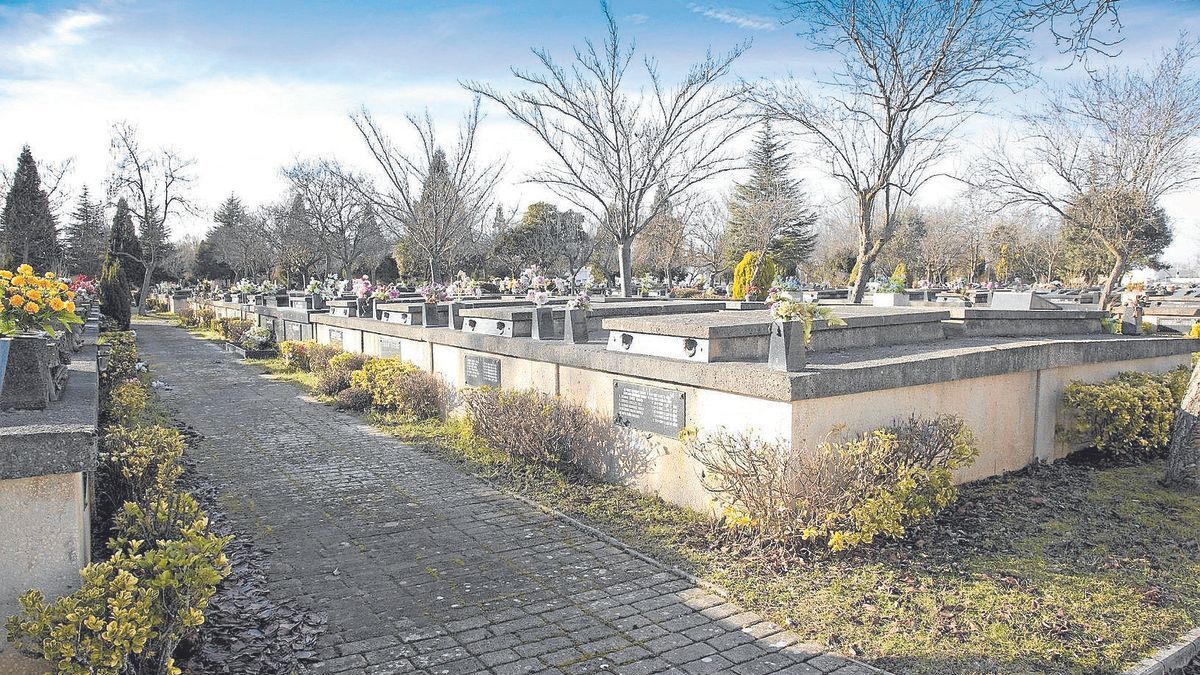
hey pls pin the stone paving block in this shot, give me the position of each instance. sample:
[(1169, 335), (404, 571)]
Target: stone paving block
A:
[(422, 568)]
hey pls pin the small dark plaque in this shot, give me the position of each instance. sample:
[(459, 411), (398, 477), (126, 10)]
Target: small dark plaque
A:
[(337, 337), (291, 331), (389, 346), (481, 371), (653, 409)]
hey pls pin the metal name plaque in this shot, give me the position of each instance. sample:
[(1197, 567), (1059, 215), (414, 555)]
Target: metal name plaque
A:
[(652, 409), (337, 337), (389, 346), (481, 371)]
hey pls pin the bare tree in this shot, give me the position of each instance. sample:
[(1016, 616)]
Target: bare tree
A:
[(912, 71), (708, 233), (156, 183), (1104, 151), (335, 206), (434, 200), (615, 147)]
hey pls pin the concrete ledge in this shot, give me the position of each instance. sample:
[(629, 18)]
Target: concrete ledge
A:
[(829, 373), (62, 438), (1171, 658)]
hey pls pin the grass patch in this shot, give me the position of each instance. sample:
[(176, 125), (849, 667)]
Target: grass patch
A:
[(1064, 569)]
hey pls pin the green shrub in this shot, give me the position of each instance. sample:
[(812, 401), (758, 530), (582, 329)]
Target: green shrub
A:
[(399, 386), (1125, 417), (845, 492), (164, 516), (206, 318), (125, 403), (353, 398), (123, 357), (320, 355), (115, 297), (259, 338), (295, 354), (131, 611), (531, 427), (98, 629), (747, 288), (336, 374), (136, 462), (186, 317), (233, 329)]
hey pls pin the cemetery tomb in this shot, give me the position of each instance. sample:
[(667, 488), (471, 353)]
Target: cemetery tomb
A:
[(518, 321)]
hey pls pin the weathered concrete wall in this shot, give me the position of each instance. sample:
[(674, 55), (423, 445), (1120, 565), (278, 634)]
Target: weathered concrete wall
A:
[(1007, 391), (43, 544)]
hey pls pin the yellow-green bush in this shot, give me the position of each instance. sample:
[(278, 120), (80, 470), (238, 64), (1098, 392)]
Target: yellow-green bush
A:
[(295, 354), (125, 403), (1128, 416), (97, 630), (136, 462), (206, 317), (123, 357), (131, 611), (747, 288), (320, 355), (845, 492), (336, 374), (233, 329), (382, 378)]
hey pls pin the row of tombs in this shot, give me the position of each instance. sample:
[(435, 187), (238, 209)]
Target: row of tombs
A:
[(661, 366)]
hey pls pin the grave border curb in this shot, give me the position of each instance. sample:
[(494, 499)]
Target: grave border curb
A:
[(1169, 658)]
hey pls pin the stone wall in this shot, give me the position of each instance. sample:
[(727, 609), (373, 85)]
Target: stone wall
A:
[(46, 462)]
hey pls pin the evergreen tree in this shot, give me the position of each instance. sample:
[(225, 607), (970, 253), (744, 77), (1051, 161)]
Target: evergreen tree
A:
[(86, 238), (771, 209), (115, 295), (124, 247), (27, 225)]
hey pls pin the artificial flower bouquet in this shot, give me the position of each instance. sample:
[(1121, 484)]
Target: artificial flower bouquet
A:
[(34, 303)]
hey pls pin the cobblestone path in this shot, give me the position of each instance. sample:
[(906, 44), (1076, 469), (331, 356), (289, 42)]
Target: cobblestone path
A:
[(421, 568)]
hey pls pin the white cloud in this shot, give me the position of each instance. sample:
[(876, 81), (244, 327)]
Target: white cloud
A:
[(68, 30), (735, 17)]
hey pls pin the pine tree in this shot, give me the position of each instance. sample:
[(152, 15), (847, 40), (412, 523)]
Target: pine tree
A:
[(124, 247), (27, 225), (85, 239), (771, 209)]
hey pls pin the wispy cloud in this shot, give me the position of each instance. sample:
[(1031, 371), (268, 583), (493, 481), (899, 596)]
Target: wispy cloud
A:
[(735, 17), (64, 31), (638, 18)]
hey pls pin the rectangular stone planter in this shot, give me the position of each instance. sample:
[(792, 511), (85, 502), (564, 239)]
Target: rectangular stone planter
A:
[(27, 380), (542, 325), (890, 300), (575, 326), (433, 317), (786, 350), (249, 353)]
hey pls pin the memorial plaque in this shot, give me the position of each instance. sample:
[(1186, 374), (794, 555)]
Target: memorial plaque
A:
[(481, 371), (291, 331), (337, 337), (389, 346), (652, 409)]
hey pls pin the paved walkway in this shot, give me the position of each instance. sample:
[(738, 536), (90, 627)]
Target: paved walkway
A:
[(421, 568)]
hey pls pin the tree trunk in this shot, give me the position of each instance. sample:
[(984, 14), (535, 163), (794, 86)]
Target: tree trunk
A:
[(145, 289), (1114, 276), (625, 262), (1183, 460)]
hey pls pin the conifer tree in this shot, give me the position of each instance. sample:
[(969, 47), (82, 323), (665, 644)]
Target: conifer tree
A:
[(123, 245), (27, 225), (85, 239), (770, 211)]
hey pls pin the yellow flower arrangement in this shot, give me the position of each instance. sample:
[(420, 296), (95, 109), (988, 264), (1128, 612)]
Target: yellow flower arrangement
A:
[(31, 302)]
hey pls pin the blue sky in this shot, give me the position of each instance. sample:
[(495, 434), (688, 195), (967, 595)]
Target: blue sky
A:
[(246, 87)]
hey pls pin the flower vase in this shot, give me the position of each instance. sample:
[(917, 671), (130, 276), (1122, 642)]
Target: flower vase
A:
[(542, 327), (456, 320), (786, 350), (430, 316), (575, 328), (26, 373)]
